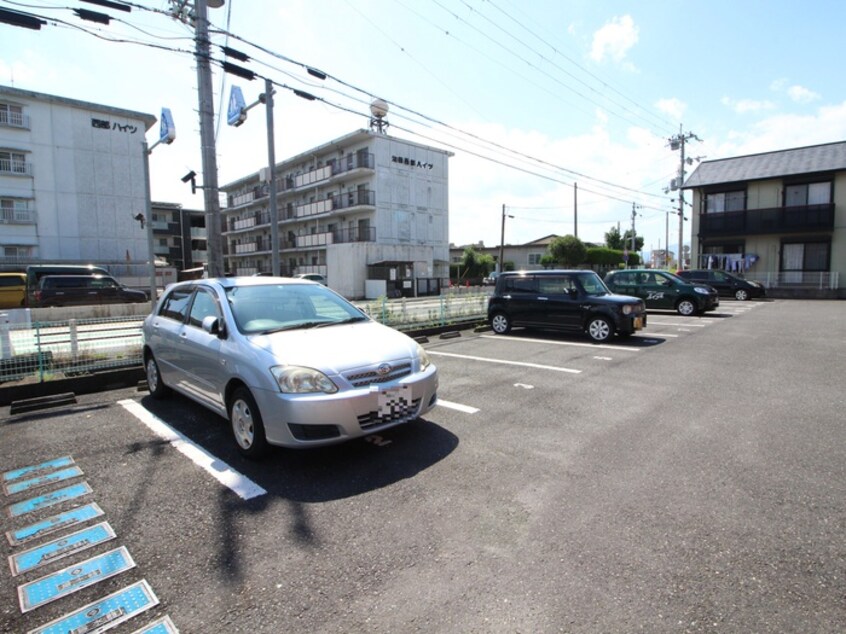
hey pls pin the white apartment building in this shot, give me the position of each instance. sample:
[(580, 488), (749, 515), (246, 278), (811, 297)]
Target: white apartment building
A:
[(367, 210), (71, 180)]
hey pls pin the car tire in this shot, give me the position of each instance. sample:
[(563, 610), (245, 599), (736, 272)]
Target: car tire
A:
[(154, 379), (599, 329), (686, 307), (246, 424), (501, 324), (741, 294)]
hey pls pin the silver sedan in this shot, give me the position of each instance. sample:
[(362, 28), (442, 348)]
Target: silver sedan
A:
[(288, 362)]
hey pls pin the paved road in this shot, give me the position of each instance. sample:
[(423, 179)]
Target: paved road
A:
[(689, 479)]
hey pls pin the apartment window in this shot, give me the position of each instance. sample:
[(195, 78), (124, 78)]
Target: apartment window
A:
[(12, 162), (807, 194), (805, 256), (722, 202), (16, 252), (11, 115)]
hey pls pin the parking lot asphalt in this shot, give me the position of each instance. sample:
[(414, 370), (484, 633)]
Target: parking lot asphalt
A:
[(691, 478)]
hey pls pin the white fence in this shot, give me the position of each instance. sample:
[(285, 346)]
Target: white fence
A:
[(47, 350)]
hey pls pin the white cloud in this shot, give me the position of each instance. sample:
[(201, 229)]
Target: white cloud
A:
[(673, 107), (743, 106), (614, 40), (783, 131), (800, 94)]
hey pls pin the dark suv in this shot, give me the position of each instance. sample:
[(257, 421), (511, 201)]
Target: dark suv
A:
[(83, 290), (574, 301), (662, 289), (727, 285)]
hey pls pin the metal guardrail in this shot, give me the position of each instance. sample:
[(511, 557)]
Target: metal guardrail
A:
[(44, 351)]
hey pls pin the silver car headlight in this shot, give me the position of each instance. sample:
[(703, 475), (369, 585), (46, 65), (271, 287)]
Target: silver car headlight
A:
[(701, 290), (293, 379), (424, 358)]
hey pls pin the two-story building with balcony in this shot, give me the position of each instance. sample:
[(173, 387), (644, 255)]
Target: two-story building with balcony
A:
[(71, 180), (777, 217), (367, 210)]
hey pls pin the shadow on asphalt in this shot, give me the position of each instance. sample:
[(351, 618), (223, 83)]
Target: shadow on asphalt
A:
[(317, 474)]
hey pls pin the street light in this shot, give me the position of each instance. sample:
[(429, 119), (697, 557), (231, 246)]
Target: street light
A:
[(236, 116), (167, 133)]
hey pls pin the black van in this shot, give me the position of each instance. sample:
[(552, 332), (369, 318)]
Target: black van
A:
[(84, 290), (575, 301), (34, 273)]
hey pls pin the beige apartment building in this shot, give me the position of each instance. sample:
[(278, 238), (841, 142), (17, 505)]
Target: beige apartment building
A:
[(777, 217), (368, 211)]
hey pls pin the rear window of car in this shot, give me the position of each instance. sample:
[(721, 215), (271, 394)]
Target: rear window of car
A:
[(12, 280), (516, 284)]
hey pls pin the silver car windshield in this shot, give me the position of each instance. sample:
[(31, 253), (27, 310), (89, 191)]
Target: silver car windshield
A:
[(593, 284), (266, 308)]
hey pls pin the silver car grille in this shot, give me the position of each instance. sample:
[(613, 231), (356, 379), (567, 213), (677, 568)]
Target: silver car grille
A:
[(363, 378), (398, 415)]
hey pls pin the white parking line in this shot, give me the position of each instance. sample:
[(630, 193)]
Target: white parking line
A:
[(561, 343), (504, 362), (684, 325), (458, 407), (219, 470), (658, 334)]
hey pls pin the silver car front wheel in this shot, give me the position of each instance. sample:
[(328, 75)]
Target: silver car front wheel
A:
[(247, 427)]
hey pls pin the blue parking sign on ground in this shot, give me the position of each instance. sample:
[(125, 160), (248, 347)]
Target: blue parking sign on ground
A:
[(58, 522), (60, 548), (38, 469), (18, 486), (50, 499), (68, 580), (104, 614)]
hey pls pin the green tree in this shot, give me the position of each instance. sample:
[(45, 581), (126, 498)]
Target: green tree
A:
[(568, 250), (613, 239), (627, 241), (475, 264)]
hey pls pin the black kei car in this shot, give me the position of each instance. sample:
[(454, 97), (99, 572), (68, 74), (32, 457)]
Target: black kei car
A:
[(574, 301), (727, 284)]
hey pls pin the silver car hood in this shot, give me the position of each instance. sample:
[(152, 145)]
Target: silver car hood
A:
[(337, 348)]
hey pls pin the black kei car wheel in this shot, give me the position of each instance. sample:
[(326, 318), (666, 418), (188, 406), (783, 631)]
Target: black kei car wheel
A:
[(247, 427), (154, 379), (500, 323), (599, 329), (741, 294)]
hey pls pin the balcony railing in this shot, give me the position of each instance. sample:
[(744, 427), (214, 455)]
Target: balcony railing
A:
[(18, 168), (356, 198), (12, 216), (14, 119), (772, 220)]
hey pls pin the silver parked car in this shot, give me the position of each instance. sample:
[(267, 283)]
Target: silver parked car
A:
[(289, 362)]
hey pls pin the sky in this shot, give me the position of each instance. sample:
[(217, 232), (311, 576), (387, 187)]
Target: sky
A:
[(537, 99)]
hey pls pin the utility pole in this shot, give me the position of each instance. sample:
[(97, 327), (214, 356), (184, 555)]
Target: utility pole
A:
[(206, 99), (576, 210), (634, 242), (502, 242), (677, 143)]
